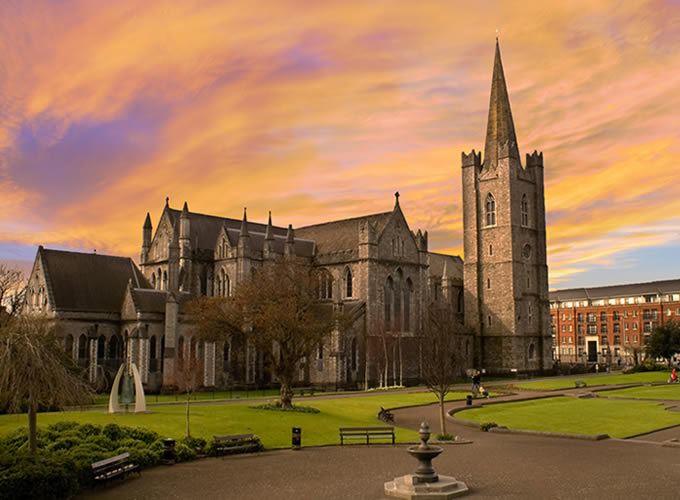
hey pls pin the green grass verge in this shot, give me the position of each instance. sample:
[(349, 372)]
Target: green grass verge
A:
[(577, 416), (670, 392), (103, 399), (593, 380), (273, 428)]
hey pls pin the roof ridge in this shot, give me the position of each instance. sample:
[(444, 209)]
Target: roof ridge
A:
[(344, 220), (86, 253), (226, 218), (586, 289)]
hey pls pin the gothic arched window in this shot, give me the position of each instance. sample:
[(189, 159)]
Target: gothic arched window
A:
[(354, 353), (152, 347), (325, 285), (389, 288), (101, 347), (532, 351), (165, 280), (348, 282), (525, 211), (153, 281), (397, 300), (490, 210), (68, 346), (82, 347), (408, 292)]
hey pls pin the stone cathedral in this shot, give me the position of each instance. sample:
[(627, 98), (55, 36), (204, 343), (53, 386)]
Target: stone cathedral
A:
[(374, 266)]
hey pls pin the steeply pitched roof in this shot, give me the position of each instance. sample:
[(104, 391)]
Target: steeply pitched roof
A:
[(205, 229), (153, 301), (500, 129), (343, 234), (454, 265), (613, 291), (87, 281)]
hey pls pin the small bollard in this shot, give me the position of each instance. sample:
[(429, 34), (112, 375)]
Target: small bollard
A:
[(297, 438), (469, 400)]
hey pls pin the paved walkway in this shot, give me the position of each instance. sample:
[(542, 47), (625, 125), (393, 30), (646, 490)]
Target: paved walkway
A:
[(493, 466)]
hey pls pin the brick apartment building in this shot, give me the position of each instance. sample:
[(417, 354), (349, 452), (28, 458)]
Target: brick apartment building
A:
[(610, 324)]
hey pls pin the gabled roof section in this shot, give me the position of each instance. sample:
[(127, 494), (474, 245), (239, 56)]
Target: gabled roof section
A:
[(500, 129), (614, 291), (206, 228), (452, 264), (343, 234), (89, 282)]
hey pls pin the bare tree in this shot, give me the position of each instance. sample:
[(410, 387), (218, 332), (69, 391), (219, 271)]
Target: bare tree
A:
[(441, 352), (35, 372), (189, 379), (12, 292), (278, 312)]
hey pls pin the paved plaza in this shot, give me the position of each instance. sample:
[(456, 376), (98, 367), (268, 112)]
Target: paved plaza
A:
[(492, 466)]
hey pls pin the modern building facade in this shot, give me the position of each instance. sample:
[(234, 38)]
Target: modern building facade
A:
[(373, 266), (610, 324)]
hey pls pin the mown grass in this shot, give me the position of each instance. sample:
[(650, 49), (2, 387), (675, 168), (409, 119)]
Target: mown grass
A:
[(273, 428), (577, 416), (103, 399), (593, 380), (670, 392)]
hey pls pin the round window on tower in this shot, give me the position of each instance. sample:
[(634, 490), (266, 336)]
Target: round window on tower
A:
[(526, 251)]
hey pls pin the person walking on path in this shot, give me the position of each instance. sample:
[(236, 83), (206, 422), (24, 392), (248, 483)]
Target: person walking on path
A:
[(476, 383)]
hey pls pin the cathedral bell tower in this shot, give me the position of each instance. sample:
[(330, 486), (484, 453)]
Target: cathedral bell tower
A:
[(505, 270)]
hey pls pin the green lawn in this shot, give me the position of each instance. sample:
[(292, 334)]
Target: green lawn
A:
[(103, 399), (593, 380), (669, 392), (577, 416), (273, 428)]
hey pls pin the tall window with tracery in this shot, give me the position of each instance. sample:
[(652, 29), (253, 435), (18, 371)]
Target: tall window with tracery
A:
[(525, 211), (490, 210), (348, 282)]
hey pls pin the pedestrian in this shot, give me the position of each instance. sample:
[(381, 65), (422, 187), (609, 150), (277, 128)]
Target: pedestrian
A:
[(476, 383)]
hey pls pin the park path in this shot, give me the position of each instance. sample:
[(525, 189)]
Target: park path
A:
[(493, 465)]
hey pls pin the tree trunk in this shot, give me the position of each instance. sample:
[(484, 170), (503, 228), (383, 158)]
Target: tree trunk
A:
[(286, 393), (188, 407), (442, 415), (32, 427)]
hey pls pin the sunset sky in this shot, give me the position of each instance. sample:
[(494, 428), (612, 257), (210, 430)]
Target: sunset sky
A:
[(321, 110)]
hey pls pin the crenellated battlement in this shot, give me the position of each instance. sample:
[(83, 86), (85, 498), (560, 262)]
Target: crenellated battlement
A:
[(534, 159), (471, 160)]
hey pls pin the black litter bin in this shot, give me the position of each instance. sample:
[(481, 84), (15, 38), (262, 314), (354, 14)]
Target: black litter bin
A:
[(469, 400), (169, 454), (297, 438)]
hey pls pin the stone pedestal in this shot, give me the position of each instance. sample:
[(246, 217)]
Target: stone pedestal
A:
[(425, 483), (410, 488)]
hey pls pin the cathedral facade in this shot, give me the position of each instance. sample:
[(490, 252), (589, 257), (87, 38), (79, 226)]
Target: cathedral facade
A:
[(375, 267)]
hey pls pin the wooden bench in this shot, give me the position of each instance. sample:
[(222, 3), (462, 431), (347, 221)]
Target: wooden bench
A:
[(302, 390), (580, 384), (237, 443), (117, 466), (365, 433)]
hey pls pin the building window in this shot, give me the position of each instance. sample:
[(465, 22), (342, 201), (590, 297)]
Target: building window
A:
[(617, 340), (603, 328), (627, 339), (488, 283), (635, 339), (525, 211), (532, 351), (152, 347), (488, 320), (490, 210), (617, 327), (407, 305), (635, 326), (592, 317), (165, 280), (615, 315), (579, 329), (490, 249), (603, 340), (348, 282), (389, 286), (82, 347), (153, 280), (325, 285), (592, 329), (579, 317), (564, 328), (603, 316), (319, 354), (101, 347), (571, 329)]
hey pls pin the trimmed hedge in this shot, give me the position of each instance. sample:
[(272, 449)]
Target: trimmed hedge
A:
[(66, 452)]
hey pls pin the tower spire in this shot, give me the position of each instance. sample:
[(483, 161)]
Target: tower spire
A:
[(244, 226), (500, 129), (268, 234)]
